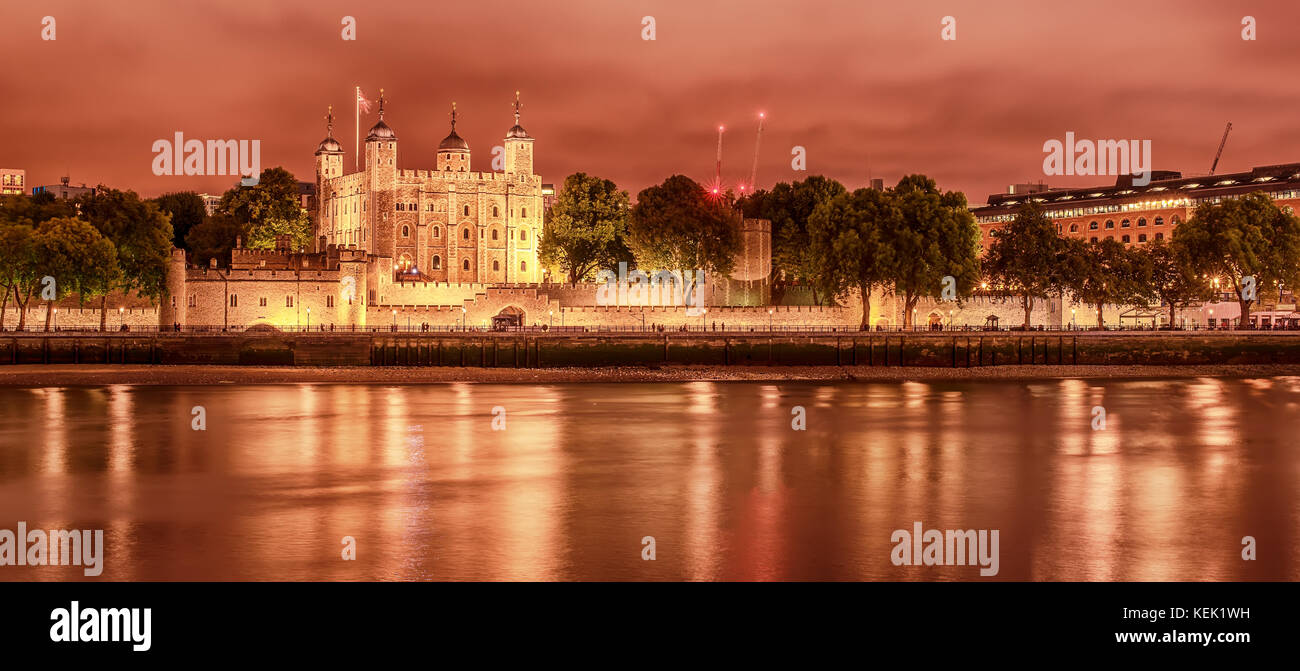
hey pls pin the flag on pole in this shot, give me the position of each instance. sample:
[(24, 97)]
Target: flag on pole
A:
[(362, 103)]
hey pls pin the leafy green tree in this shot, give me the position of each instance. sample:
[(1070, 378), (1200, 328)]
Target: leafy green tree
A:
[(1243, 237), (142, 235), (1105, 272), (934, 236), (586, 229), (1027, 258), (1174, 279), (676, 226), (80, 259), (213, 239), (187, 211), (19, 269), (847, 237), (268, 209), (788, 206)]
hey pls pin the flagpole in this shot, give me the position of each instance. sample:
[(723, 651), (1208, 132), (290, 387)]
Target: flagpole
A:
[(356, 148)]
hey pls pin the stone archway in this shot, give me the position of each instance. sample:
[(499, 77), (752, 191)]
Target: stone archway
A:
[(509, 316)]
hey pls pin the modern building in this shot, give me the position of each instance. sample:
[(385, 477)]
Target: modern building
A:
[(1134, 214), (13, 182), (210, 202), (62, 190)]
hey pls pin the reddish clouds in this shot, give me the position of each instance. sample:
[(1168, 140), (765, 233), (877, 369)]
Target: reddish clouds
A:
[(868, 88)]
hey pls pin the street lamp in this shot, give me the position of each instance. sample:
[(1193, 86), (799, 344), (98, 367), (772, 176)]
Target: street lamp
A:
[(394, 320), (550, 319), (308, 318), (769, 319), (704, 319), (1071, 319), (121, 313), (913, 319), (56, 319), (462, 318)]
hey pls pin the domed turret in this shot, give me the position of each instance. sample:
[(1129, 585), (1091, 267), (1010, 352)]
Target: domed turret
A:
[(453, 151), (381, 131)]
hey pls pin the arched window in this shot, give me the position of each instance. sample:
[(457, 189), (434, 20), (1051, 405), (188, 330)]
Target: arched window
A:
[(467, 210), (1110, 223), (495, 212), (1092, 226), (1074, 228), (406, 231), (1174, 221), (437, 231), (1125, 239), (494, 234), (1142, 237), (1142, 221), (465, 265), (523, 212), (496, 265), (464, 233), (1094, 239), (437, 262), (523, 235), (1124, 224), (1160, 221), (523, 266)]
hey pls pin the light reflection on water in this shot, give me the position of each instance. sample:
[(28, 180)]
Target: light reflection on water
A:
[(713, 471)]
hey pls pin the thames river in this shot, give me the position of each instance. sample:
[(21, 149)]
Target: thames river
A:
[(586, 481)]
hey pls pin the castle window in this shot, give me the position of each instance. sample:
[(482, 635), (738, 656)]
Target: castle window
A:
[(465, 265), (436, 231), (329, 300), (406, 231), (523, 235), (1092, 226), (1110, 223), (234, 300), (496, 265), (523, 265), (495, 212), (261, 302), (481, 233), (288, 301), (1142, 221), (437, 262), (194, 300), (494, 234), (400, 206), (467, 210), (464, 233)]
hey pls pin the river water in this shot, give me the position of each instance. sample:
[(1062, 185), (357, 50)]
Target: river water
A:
[(579, 475)]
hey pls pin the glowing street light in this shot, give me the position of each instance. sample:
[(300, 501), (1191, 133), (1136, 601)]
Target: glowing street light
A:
[(308, 318), (769, 312), (550, 324), (704, 322), (462, 318), (121, 313)]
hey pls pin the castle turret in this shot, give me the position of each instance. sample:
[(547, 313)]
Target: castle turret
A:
[(519, 146), (453, 151), (329, 164), (381, 180), (172, 310)]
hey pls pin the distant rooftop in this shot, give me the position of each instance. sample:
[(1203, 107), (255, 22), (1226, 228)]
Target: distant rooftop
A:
[(1163, 182)]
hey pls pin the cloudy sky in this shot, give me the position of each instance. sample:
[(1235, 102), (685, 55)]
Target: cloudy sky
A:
[(868, 88)]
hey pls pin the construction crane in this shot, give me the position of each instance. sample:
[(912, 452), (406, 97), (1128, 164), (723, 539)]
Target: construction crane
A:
[(753, 171), (1220, 152)]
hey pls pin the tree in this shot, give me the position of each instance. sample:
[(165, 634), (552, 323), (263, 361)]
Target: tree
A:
[(213, 239), (1105, 272), (847, 238), (586, 229), (19, 269), (268, 209), (788, 207), (1027, 258), (1175, 281), (187, 211), (935, 236), (79, 258), (676, 226), (1240, 238), (142, 235)]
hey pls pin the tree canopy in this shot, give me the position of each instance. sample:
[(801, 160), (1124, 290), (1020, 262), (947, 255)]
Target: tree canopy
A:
[(586, 229), (268, 209), (847, 237), (676, 226), (789, 206), (933, 236), (187, 211), (1027, 257)]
